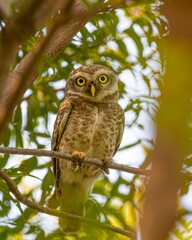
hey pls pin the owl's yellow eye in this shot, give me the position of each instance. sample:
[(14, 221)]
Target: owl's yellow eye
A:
[(103, 78), (80, 81)]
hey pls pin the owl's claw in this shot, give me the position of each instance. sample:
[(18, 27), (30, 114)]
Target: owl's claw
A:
[(80, 157), (106, 162)]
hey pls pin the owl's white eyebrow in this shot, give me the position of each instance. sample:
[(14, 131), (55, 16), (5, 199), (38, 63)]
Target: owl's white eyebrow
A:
[(82, 74)]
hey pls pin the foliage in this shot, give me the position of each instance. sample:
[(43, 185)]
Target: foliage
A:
[(129, 40)]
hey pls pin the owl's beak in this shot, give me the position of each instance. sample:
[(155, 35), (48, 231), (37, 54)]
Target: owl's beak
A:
[(92, 90)]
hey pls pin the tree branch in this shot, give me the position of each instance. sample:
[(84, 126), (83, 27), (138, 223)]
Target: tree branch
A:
[(64, 156), (16, 85), (17, 29), (21, 198), (27, 71)]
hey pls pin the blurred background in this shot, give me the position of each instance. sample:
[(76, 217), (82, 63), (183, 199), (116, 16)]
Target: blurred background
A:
[(131, 40)]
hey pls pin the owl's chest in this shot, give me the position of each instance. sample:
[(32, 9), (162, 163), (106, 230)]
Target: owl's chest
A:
[(91, 129)]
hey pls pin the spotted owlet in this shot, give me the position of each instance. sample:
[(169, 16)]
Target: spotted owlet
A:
[(89, 123)]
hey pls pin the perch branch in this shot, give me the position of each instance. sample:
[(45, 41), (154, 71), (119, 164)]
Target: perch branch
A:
[(21, 198), (95, 161)]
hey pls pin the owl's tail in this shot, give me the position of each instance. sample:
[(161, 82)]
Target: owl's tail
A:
[(72, 200)]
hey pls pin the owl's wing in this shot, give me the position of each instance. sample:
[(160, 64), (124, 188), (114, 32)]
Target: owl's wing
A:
[(121, 129), (59, 127)]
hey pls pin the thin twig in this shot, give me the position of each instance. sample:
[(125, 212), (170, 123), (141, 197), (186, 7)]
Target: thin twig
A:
[(21, 198), (65, 156)]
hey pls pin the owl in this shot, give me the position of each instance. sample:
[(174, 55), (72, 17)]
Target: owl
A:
[(89, 123)]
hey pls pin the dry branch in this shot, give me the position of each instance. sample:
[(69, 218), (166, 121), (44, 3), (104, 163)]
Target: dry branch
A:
[(95, 161), (21, 198)]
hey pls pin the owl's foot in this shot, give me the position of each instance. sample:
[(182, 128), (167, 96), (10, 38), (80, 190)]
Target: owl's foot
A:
[(106, 162), (80, 157)]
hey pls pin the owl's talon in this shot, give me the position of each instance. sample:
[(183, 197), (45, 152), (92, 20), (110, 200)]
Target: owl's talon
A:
[(106, 162), (75, 167), (105, 169), (79, 156)]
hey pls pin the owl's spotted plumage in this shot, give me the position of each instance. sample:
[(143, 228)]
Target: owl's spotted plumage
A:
[(89, 121)]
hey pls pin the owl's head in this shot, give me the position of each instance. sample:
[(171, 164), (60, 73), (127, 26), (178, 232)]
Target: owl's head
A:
[(95, 83)]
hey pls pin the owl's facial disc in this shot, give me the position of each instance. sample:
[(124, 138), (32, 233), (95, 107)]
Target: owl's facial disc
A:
[(93, 83)]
